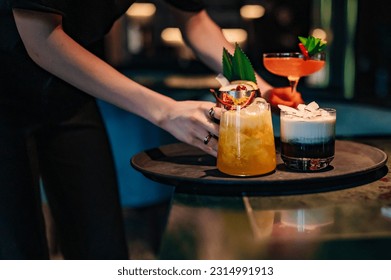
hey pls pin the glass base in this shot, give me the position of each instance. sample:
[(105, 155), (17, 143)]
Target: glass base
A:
[(306, 164)]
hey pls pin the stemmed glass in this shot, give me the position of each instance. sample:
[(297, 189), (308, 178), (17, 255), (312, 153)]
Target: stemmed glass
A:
[(293, 65)]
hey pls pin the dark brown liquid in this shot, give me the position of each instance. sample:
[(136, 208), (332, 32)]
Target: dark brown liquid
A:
[(313, 150)]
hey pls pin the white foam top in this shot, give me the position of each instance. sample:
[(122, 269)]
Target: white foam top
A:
[(309, 123), (310, 112)]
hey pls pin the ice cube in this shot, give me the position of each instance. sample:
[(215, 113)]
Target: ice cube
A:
[(304, 111), (288, 109), (312, 107), (301, 107), (258, 104), (260, 101)]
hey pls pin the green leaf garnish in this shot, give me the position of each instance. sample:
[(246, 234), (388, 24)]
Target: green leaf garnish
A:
[(237, 66), (312, 44), (227, 65)]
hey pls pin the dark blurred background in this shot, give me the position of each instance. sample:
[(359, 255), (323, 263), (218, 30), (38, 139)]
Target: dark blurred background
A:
[(146, 44)]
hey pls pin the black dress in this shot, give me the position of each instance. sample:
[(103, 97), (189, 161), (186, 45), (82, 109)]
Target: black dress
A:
[(53, 132)]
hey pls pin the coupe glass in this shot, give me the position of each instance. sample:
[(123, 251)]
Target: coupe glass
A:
[(293, 65)]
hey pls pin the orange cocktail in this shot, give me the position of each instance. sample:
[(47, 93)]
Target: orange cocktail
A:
[(293, 65), (246, 141)]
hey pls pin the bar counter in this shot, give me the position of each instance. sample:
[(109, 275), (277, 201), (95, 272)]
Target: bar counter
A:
[(351, 221)]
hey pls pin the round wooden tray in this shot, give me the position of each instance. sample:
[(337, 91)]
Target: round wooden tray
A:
[(192, 171)]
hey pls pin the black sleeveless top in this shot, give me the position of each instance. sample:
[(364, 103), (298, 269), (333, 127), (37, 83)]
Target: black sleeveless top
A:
[(25, 84)]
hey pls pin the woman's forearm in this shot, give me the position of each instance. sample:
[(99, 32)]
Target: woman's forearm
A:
[(208, 41), (51, 48)]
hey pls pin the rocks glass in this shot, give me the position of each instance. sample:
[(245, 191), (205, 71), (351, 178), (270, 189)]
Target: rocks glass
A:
[(307, 137)]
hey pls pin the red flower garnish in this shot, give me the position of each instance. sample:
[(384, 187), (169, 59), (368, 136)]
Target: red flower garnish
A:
[(240, 87), (227, 100)]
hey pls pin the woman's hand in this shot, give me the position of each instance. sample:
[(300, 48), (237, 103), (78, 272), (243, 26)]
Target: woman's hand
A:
[(192, 122), (283, 96)]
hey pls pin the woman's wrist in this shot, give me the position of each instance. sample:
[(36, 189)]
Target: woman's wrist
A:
[(159, 113), (264, 87)]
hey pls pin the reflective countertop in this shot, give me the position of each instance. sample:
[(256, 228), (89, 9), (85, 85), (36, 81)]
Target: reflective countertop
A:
[(351, 223)]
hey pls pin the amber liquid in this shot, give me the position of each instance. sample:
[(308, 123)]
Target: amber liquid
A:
[(292, 66), (246, 144)]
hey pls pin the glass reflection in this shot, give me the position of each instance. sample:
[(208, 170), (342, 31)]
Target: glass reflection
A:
[(307, 220), (267, 223)]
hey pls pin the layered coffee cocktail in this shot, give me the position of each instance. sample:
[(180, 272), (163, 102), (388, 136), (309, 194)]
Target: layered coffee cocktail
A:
[(307, 137)]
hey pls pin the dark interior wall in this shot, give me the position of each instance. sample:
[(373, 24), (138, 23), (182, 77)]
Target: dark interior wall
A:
[(373, 45), (277, 30)]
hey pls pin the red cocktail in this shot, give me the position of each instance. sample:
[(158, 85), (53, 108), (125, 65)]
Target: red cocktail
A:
[(293, 65)]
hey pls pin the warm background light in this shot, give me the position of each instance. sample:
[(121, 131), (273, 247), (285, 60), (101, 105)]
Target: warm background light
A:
[(252, 11), (235, 35), (172, 36), (319, 33), (141, 10), (191, 82)]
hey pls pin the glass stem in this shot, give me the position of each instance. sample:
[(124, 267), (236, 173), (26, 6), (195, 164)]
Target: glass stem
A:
[(293, 81)]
